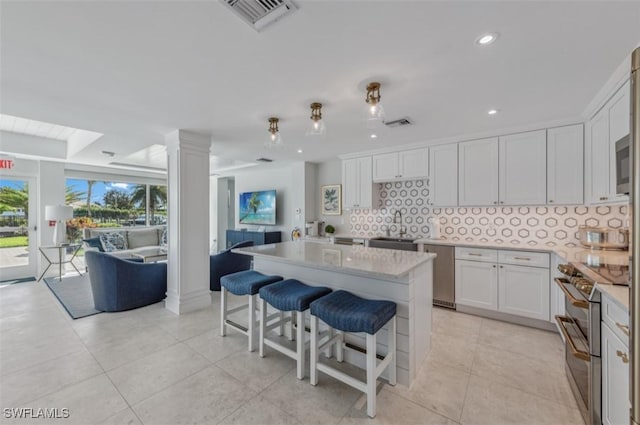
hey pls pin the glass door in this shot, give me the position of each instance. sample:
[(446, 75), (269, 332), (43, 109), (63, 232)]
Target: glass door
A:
[(18, 248)]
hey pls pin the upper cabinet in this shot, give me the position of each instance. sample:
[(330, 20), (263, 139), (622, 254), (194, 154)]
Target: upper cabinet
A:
[(478, 172), (523, 165), (357, 183), (405, 165), (443, 175), (608, 126), (565, 165)]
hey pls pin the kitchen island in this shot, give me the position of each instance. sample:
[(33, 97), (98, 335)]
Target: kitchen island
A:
[(403, 277)]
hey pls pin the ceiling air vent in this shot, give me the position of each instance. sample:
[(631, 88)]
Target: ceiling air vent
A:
[(399, 122), (260, 13), (264, 160)]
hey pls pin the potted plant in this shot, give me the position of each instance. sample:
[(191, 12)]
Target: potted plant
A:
[(329, 230)]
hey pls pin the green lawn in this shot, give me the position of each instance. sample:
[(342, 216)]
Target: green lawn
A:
[(14, 241)]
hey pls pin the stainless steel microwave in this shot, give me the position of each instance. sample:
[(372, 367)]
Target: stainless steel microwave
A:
[(623, 166)]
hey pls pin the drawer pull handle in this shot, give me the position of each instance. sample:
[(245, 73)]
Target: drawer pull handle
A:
[(582, 355), (573, 300), (522, 258), (623, 328), (475, 255), (623, 356)]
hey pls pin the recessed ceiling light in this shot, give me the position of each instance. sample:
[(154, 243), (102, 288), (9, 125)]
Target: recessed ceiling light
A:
[(299, 150), (373, 136), (486, 39), (492, 111), (108, 153)]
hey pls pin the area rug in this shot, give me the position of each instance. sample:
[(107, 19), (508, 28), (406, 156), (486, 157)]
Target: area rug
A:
[(74, 293)]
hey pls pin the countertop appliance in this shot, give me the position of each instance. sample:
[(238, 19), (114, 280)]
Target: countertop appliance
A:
[(604, 237), (444, 288)]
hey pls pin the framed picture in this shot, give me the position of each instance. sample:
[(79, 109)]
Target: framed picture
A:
[(331, 199)]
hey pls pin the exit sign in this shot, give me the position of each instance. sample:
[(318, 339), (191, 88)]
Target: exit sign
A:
[(6, 164)]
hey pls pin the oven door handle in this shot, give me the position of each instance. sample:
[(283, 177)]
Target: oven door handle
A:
[(582, 355), (573, 300)]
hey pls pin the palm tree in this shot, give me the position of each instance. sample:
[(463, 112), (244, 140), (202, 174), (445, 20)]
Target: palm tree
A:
[(157, 197), (254, 202), (15, 199), (90, 184), (71, 196)]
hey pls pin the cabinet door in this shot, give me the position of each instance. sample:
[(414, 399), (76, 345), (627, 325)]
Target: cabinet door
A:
[(443, 175), (523, 165), (477, 284), (565, 165), (350, 182), (385, 167), (365, 183), (556, 296), (615, 379), (619, 116), (478, 172), (413, 164), (599, 157), (524, 291)]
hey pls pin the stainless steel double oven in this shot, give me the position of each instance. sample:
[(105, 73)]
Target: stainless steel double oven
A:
[(580, 327)]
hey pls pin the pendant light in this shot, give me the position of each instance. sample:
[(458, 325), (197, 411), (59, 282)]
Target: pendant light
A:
[(275, 139), (375, 111), (317, 127)]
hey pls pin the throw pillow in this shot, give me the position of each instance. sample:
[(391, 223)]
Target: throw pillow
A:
[(113, 241), (163, 238), (94, 243)]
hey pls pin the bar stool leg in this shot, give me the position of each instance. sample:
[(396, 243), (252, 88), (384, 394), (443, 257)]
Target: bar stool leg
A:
[(313, 352), (223, 311), (300, 344), (281, 327), (252, 322), (263, 325), (328, 352), (292, 326), (392, 351), (340, 347), (371, 376)]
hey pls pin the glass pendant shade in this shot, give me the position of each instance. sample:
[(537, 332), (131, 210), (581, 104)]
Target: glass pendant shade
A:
[(317, 126), (275, 139), (374, 115)]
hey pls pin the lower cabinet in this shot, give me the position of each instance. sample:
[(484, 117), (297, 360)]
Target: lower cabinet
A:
[(259, 238), (492, 284), (615, 375), (477, 284)]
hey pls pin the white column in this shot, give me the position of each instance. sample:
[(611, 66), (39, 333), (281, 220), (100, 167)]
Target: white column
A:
[(188, 268)]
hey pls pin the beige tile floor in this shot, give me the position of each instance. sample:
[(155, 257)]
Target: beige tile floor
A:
[(149, 366)]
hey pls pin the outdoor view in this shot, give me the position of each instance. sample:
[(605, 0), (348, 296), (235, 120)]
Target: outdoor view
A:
[(95, 204)]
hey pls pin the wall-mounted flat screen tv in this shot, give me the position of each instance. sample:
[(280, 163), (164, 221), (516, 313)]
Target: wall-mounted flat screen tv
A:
[(258, 207)]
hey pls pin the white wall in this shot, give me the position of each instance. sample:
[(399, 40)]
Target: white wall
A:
[(330, 172)]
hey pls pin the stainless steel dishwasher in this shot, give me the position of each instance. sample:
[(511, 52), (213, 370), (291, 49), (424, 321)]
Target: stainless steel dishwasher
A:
[(444, 288)]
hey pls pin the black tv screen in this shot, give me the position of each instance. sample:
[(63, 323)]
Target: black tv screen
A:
[(258, 207)]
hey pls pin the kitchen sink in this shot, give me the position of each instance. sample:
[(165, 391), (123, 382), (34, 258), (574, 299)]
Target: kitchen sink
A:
[(393, 243)]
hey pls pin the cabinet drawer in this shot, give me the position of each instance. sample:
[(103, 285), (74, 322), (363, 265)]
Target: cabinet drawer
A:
[(616, 318), (524, 258), (477, 254)]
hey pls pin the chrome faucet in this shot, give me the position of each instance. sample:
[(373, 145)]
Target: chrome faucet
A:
[(403, 230)]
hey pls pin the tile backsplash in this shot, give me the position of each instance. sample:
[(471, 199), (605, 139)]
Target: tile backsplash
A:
[(532, 226)]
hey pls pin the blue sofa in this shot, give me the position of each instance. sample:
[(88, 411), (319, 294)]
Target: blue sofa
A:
[(119, 284), (226, 262)]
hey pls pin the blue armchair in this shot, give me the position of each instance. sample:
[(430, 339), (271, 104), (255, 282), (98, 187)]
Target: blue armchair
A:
[(226, 262), (119, 284)]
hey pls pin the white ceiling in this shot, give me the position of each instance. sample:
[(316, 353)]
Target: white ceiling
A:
[(137, 70)]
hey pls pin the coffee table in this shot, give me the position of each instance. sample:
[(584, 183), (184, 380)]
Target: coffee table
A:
[(151, 255)]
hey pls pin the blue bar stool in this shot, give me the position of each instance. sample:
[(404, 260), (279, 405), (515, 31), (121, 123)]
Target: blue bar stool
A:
[(246, 282), (347, 312), (294, 296)]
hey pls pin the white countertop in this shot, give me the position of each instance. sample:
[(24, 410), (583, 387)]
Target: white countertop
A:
[(350, 259), (616, 293)]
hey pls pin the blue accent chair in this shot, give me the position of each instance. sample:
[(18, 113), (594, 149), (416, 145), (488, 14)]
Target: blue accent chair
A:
[(227, 262), (119, 284)]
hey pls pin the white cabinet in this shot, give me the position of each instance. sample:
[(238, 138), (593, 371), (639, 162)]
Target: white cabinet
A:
[(404, 165), (523, 164), (443, 175), (523, 291), (478, 172), (357, 183), (565, 165), (476, 284), (615, 378), (556, 296), (496, 280), (608, 126)]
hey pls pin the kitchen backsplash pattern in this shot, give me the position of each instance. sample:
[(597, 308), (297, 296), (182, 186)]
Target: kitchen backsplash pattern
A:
[(532, 226)]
